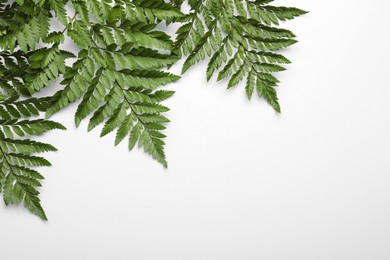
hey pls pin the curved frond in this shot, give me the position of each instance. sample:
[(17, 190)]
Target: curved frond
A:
[(241, 42), (119, 69)]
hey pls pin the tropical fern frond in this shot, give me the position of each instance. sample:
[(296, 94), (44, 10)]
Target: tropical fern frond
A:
[(119, 69), (19, 181), (241, 42), (19, 121)]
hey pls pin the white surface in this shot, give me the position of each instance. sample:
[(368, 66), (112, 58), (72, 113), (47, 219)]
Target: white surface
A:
[(243, 183)]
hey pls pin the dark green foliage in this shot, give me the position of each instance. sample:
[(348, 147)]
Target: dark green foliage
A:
[(116, 75), (241, 42), (118, 70), (19, 182), (20, 121)]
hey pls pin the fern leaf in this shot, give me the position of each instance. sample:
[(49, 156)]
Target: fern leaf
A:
[(19, 181), (248, 48), (119, 71)]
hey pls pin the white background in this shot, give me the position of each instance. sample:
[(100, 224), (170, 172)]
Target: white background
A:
[(243, 182)]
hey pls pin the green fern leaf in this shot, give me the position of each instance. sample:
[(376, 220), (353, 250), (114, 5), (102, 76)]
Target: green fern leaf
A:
[(248, 48), (119, 71), (19, 182)]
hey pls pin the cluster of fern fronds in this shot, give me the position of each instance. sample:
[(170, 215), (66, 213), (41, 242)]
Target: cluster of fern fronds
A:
[(117, 74)]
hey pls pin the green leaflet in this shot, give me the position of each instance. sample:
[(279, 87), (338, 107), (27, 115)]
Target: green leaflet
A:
[(117, 74), (241, 42)]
